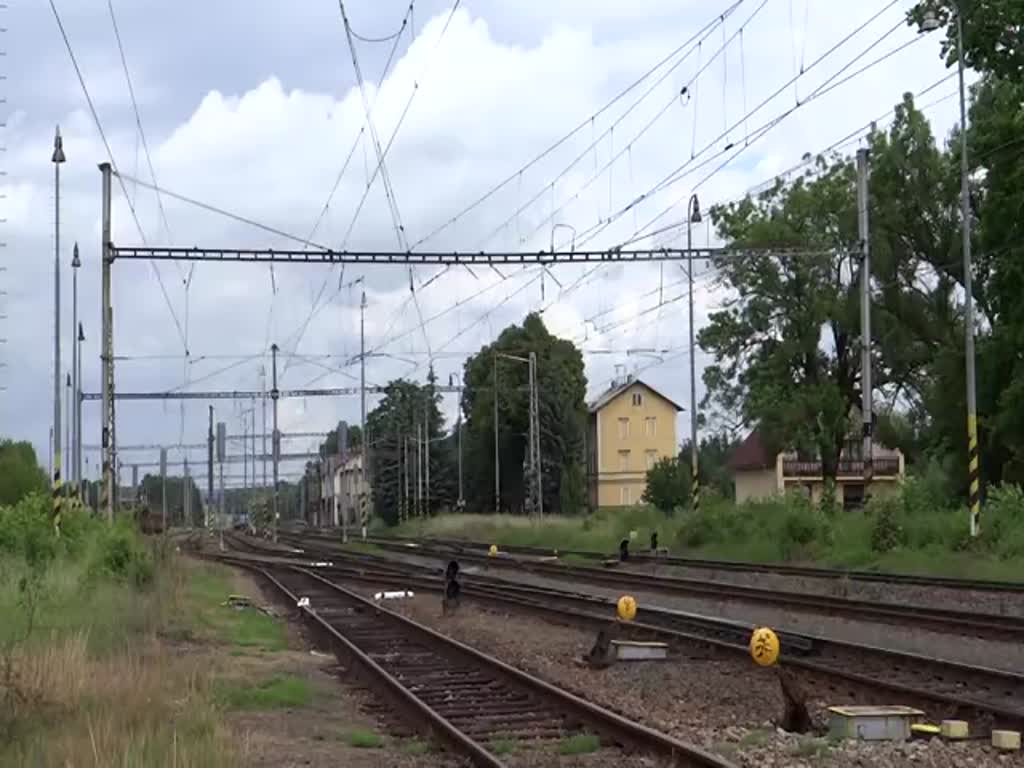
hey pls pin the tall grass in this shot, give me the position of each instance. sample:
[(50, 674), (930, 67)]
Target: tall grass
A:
[(85, 678), (918, 530)]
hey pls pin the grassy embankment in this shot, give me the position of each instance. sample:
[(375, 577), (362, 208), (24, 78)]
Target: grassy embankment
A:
[(917, 532), (116, 651)]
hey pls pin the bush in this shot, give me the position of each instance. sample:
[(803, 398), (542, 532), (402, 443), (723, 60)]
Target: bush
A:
[(120, 554), (886, 532), (668, 485)]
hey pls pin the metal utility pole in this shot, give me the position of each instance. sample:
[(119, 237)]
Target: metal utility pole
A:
[(209, 470), (404, 461), (362, 378), (78, 406), (67, 433), (693, 217), (163, 486), (186, 500), (57, 158), (263, 387), (535, 433), (461, 502), (74, 469), (276, 437), (973, 468), (426, 462), (419, 470), (867, 408), (107, 354), (497, 457)]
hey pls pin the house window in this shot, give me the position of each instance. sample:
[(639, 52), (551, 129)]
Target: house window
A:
[(624, 428), (625, 495), (651, 426), (638, 398), (624, 461), (652, 457)]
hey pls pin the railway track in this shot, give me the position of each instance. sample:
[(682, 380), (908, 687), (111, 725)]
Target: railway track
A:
[(782, 569), (467, 700), (942, 688), (972, 624)]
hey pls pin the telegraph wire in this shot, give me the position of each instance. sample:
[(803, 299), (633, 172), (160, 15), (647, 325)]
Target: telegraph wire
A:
[(113, 165)]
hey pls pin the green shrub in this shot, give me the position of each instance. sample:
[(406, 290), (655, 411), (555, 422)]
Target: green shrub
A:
[(120, 554), (886, 531)]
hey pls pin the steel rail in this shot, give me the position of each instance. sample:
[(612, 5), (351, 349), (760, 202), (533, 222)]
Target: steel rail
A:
[(784, 569), (621, 729), (824, 659), (947, 620)]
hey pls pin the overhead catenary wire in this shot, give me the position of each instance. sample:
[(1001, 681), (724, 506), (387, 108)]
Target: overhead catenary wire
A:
[(113, 165), (581, 126), (685, 168), (692, 82)]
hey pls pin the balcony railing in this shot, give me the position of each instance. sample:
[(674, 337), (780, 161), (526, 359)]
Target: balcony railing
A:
[(888, 467)]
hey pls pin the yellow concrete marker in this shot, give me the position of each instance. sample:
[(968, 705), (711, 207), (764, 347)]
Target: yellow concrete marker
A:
[(493, 551), (1006, 740), (954, 729), (925, 729), (764, 647), (626, 608)]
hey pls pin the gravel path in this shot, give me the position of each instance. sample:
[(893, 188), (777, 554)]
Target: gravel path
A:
[(723, 705)]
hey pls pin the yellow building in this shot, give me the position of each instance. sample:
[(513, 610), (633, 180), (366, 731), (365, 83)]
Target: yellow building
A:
[(632, 425)]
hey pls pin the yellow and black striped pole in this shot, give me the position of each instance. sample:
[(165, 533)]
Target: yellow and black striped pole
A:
[(973, 474), (58, 494)]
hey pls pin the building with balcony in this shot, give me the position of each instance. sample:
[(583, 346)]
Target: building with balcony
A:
[(631, 426), (758, 474)]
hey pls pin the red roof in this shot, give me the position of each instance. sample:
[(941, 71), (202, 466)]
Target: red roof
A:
[(751, 454)]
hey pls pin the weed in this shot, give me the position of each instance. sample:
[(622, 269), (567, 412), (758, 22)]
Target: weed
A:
[(505, 746), (580, 744), (276, 693), (362, 738), (755, 738), (417, 747), (810, 747)]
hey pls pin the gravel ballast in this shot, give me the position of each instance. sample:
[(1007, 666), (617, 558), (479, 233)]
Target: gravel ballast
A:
[(724, 705)]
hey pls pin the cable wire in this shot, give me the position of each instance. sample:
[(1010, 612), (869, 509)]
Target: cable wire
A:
[(113, 165)]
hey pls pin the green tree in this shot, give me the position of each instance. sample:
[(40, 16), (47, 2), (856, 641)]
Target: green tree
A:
[(715, 474), (668, 484), (772, 363), (562, 389), (152, 487), (993, 33), (394, 421), (355, 440), (20, 473)]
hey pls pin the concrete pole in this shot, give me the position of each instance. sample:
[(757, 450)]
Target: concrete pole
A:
[(263, 438), (536, 434), (275, 439), (107, 355), (497, 457), (692, 217), (74, 468), (78, 406), (459, 440), (866, 387), (163, 487), (209, 471), (973, 466), (426, 462), (57, 158), (362, 381), (67, 433), (419, 470)]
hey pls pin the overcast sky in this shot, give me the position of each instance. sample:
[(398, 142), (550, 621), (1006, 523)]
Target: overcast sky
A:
[(253, 108)]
